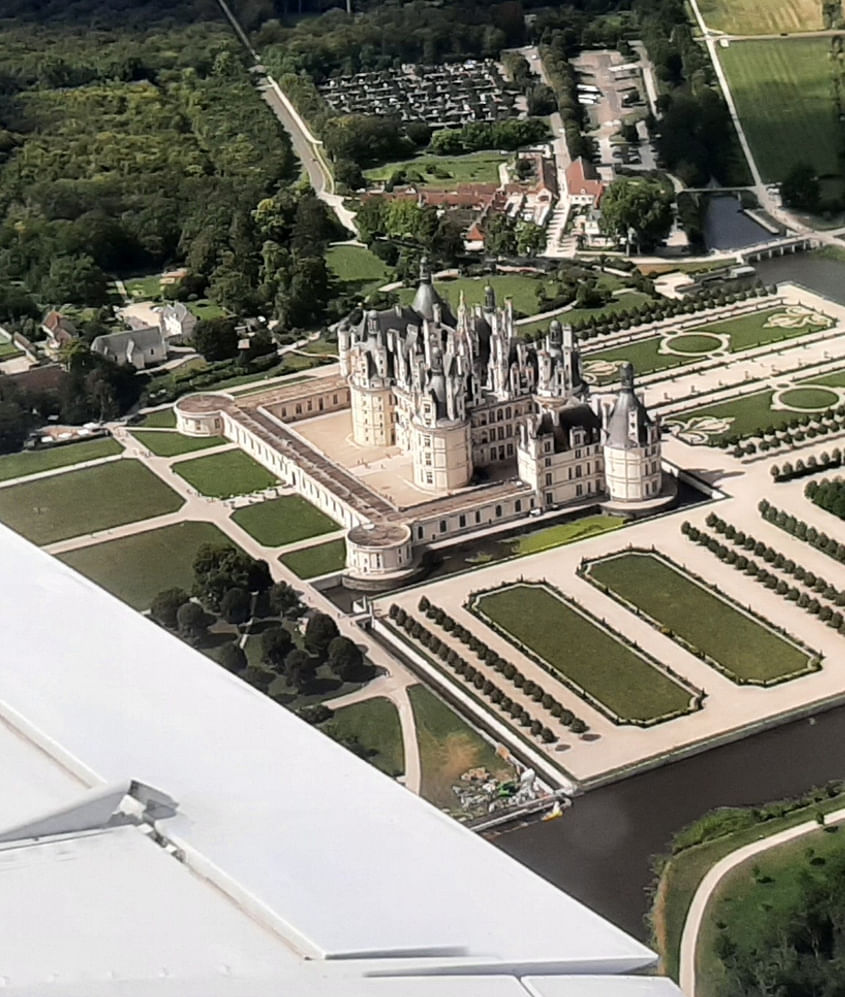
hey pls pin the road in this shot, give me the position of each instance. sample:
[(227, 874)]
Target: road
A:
[(714, 877), (307, 147)]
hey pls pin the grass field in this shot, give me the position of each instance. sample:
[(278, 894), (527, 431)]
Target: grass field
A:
[(577, 649), (137, 568), (626, 301), (476, 167), (166, 444), (769, 17), (743, 416), (523, 291), (85, 501), (143, 288), (356, 265), (565, 533), (782, 89), (448, 748), (809, 398), (164, 418), (311, 562), (748, 331), (17, 465), (374, 723), (283, 521), (206, 309), (765, 889), (224, 474), (835, 379), (744, 648)]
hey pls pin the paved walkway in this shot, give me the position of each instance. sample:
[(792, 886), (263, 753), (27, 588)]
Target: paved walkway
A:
[(698, 907)]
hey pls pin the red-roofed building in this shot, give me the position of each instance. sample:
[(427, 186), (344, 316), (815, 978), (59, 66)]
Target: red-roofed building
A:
[(583, 185)]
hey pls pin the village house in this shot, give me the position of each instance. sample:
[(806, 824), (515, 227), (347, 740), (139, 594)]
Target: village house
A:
[(142, 348)]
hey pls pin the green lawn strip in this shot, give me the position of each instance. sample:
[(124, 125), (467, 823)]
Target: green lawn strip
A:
[(137, 568), (565, 533), (782, 89), (224, 474), (833, 379), (18, 465), (283, 521), (765, 889), (475, 167), (744, 648), (624, 302), (85, 501), (374, 724), (164, 418), (682, 873), (166, 444), (311, 562), (748, 331), (257, 389), (448, 748), (356, 264), (591, 658)]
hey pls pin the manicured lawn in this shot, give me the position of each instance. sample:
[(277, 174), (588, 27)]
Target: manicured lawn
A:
[(749, 331), (764, 890), (283, 521), (624, 302), (693, 344), (374, 723), (311, 562), (523, 290), (579, 650), (166, 444), (743, 416), (835, 379), (743, 647), (603, 366), (357, 265), (809, 398), (782, 89), (144, 288), (137, 568), (164, 418), (85, 501), (565, 533), (17, 465), (448, 748), (476, 167), (751, 17), (321, 347), (224, 474), (206, 309)]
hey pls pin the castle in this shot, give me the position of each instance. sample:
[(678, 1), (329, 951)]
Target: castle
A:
[(466, 396), (467, 424)]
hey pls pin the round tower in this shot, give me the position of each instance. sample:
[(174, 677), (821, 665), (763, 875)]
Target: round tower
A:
[(631, 446)]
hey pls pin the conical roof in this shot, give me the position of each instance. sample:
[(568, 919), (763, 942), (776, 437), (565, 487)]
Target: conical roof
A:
[(427, 297), (629, 421)]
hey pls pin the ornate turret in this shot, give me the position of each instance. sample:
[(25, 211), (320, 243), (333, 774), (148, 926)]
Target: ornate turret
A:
[(629, 424), (631, 446)]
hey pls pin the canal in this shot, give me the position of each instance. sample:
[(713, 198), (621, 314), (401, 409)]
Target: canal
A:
[(600, 850), (819, 273)]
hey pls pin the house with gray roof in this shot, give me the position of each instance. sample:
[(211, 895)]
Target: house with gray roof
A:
[(141, 347)]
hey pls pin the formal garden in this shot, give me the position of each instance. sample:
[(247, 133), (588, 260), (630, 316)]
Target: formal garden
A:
[(280, 521), (610, 673), (85, 501), (223, 475), (743, 647)]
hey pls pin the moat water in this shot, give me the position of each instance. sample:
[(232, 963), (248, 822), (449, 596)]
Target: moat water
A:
[(727, 226), (600, 851)]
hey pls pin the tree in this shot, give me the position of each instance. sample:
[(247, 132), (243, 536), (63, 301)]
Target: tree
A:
[(258, 577), (218, 568), (192, 622), (166, 605), (345, 659), (276, 644), (320, 631), (801, 188), (216, 338), (233, 658), (235, 605), (285, 601), (299, 668), (530, 238), (638, 211), (499, 237)]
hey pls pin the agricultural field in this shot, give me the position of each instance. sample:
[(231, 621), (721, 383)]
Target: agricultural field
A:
[(746, 650), (19, 465), (782, 90), (281, 521), (85, 501), (769, 17), (440, 172), (448, 748), (137, 568), (607, 669)]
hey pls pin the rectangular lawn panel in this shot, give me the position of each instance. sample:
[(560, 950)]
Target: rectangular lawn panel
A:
[(224, 474), (162, 419), (137, 568), (783, 93), (283, 521), (578, 650), (445, 171), (565, 533), (311, 562), (18, 465), (448, 748), (374, 724), (167, 444), (356, 264), (85, 501), (744, 648), (769, 17)]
